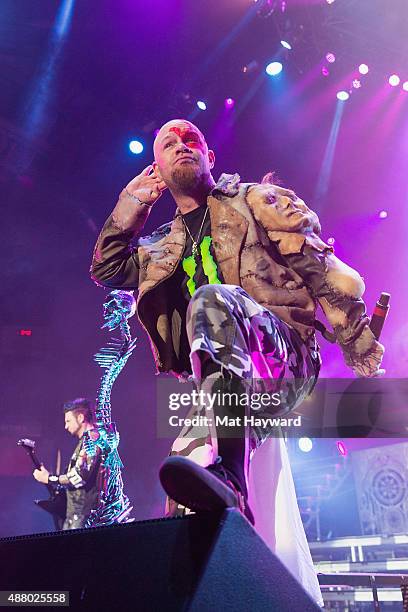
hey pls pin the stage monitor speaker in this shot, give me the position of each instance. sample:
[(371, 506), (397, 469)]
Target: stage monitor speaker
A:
[(191, 564)]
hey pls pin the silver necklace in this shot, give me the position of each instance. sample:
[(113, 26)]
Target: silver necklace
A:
[(194, 249)]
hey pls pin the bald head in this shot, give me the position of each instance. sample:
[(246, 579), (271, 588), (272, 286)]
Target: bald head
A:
[(176, 126), (182, 158)]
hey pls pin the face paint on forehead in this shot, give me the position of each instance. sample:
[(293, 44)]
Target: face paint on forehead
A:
[(180, 131), (186, 129)]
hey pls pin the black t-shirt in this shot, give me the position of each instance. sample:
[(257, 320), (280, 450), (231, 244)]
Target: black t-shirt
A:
[(193, 272), (80, 501)]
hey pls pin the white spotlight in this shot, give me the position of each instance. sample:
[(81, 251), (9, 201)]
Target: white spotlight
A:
[(274, 68), (305, 445), (135, 147), (343, 95), (394, 80)]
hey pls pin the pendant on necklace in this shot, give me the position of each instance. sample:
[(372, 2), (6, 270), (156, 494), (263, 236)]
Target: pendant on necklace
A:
[(194, 249)]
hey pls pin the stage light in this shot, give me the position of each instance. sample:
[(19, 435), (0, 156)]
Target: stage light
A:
[(331, 240), (251, 67), (25, 332), (274, 68), (356, 84), (201, 105), (325, 71), (341, 447), (343, 95), (329, 1), (331, 58), (405, 86), (229, 102), (285, 44), (363, 68), (135, 147), (305, 445), (383, 214), (267, 8), (394, 80)]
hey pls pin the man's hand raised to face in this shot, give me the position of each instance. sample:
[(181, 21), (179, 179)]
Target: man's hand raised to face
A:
[(147, 187)]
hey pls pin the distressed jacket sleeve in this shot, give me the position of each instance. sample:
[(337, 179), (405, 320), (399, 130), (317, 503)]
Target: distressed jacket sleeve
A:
[(115, 262), (295, 229)]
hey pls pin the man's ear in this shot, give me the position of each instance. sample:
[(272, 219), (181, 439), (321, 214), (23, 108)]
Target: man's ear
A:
[(211, 157), (156, 170)]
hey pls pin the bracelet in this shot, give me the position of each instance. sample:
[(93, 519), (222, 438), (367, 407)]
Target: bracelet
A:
[(53, 479), (137, 199)]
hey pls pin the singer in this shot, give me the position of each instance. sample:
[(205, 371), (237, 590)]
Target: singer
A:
[(228, 292)]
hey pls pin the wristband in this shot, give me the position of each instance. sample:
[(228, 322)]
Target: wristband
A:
[(137, 199), (53, 479)]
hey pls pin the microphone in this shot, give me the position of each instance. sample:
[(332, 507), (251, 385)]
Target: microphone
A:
[(379, 315)]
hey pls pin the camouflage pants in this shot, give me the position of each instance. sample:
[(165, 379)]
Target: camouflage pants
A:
[(247, 341)]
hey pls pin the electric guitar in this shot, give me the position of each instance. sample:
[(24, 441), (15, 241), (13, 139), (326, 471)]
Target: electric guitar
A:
[(56, 505)]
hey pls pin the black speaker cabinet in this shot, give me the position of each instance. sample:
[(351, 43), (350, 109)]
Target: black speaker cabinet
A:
[(197, 563)]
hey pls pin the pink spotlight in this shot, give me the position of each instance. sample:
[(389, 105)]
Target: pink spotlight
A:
[(331, 58), (325, 71), (229, 102), (405, 86), (356, 84), (341, 447), (363, 68), (383, 214), (331, 240), (394, 80)]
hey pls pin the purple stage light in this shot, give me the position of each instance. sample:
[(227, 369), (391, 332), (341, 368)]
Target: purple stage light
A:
[(331, 58), (325, 71), (341, 447), (383, 214), (405, 86), (331, 240), (201, 105), (356, 84), (229, 102), (285, 44), (343, 95), (135, 147), (363, 68), (394, 80)]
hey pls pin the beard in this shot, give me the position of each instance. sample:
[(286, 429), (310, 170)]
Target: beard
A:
[(187, 178)]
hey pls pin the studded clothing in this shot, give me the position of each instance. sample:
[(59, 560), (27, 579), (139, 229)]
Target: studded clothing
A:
[(83, 488)]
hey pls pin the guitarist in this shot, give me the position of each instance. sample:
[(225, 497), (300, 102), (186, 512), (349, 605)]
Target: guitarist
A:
[(82, 478)]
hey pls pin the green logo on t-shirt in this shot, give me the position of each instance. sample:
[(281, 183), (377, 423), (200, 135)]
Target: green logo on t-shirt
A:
[(209, 266)]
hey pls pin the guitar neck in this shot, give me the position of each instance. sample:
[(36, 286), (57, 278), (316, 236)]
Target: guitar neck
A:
[(35, 460), (37, 463)]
